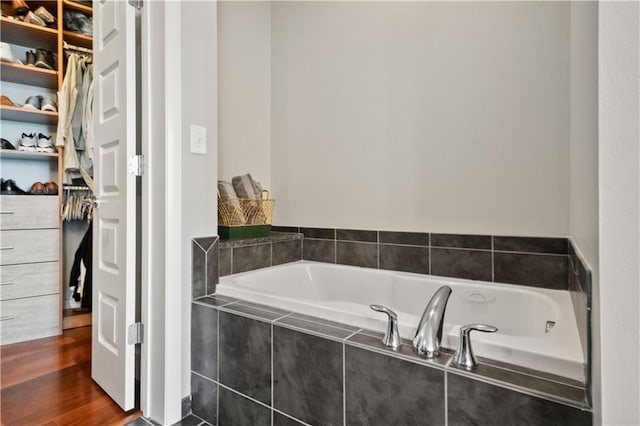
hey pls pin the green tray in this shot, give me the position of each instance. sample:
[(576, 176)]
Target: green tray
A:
[(243, 232)]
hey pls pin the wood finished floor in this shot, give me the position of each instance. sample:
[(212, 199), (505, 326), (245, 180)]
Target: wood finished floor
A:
[(48, 382)]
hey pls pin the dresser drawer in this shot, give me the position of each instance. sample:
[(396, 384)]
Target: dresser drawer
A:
[(29, 280), (29, 246), (30, 318), (29, 212)]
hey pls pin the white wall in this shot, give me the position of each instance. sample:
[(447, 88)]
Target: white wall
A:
[(244, 75), (199, 172), (619, 176), (583, 158), (444, 117)]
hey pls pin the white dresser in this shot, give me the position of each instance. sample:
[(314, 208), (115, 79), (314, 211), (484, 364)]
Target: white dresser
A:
[(30, 303)]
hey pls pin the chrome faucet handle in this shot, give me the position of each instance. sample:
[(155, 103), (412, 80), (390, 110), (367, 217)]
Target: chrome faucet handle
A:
[(464, 356), (392, 336)]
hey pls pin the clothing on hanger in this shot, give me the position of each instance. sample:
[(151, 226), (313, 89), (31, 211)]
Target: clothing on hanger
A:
[(83, 257), (74, 118)]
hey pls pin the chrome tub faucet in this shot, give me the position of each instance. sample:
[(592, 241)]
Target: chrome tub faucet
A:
[(429, 333)]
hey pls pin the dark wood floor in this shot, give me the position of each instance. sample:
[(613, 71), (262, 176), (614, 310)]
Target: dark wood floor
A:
[(48, 382)]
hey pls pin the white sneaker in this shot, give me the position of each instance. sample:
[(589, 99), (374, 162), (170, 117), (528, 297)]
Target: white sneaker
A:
[(44, 144), (49, 103), (28, 142)]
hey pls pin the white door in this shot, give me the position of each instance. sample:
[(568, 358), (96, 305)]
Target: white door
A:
[(114, 229)]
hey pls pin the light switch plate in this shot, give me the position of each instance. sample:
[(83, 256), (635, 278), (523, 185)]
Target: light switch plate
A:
[(198, 139)]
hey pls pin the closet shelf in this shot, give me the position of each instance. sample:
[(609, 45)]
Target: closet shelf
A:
[(27, 115), (29, 35), (77, 39), (78, 6), (30, 75), (27, 155)]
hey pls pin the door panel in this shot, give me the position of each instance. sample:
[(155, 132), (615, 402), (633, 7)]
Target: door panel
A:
[(114, 244)]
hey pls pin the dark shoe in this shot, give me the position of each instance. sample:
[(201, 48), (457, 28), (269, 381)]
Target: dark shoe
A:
[(37, 189), (20, 7), (9, 187), (31, 58), (78, 22), (7, 145), (44, 59), (51, 188)]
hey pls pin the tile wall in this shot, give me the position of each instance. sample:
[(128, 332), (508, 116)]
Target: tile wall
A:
[(258, 365), (552, 263)]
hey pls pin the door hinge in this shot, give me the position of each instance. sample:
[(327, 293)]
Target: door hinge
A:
[(135, 166), (134, 333), (136, 3)]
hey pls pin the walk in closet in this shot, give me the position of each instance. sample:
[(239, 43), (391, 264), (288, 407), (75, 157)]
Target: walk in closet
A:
[(44, 231)]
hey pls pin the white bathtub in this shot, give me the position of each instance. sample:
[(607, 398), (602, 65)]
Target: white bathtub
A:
[(344, 293)]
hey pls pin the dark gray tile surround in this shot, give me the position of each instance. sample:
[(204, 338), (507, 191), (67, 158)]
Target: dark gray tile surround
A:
[(324, 370), (529, 261), (546, 259)]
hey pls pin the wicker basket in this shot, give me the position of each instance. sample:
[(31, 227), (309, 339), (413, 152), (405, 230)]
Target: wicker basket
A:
[(240, 218)]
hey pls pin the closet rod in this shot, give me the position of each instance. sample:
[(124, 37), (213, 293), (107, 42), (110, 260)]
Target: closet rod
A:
[(67, 46)]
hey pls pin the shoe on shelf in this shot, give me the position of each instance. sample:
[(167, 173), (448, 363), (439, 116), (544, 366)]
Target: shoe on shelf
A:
[(32, 18), (6, 54), (28, 142), (45, 59), (37, 188), (4, 100), (5, 144), (33, 102), (78, 22), (44, 144), (20, 7), (49, 103), (9, 187), (51, 188), (31, 58), (45, 15)]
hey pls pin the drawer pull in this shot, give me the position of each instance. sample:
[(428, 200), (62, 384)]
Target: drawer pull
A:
[(7, 317), (7, 283), (6, 212), (7, 248)]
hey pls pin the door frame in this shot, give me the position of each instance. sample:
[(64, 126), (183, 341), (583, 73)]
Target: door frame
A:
[(161, 309)]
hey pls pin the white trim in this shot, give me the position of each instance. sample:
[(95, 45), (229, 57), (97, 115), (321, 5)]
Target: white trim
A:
[(152, 380), (173, 212)]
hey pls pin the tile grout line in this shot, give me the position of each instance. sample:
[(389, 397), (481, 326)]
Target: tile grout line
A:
[(352, 334), (493, 262), (230, 389), (206, 274), (378, 247), (429, 272), (344, 386), (446, 398), (275, 410)]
